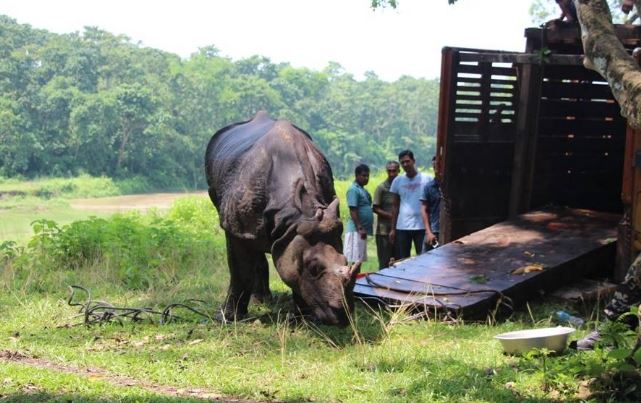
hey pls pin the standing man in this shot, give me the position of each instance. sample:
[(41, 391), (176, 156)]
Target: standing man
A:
[(383, 204), (430, 210), (361, 217), (406, 212)]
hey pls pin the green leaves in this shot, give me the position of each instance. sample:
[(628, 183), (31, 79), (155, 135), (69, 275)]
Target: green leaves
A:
[(97, 103)]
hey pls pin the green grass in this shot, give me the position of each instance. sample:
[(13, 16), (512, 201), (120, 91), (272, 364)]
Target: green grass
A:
[(381, 359), (159, 258), (22, 202), (81, 186), (16, 218), (29, 384)]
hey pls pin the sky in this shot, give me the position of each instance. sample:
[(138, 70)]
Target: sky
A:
[(304, 33)]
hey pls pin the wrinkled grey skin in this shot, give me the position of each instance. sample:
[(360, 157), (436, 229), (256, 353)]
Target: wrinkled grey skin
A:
[(274, 192)]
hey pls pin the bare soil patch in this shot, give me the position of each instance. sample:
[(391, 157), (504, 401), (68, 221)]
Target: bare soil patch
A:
[(141, 202), (117, 380)]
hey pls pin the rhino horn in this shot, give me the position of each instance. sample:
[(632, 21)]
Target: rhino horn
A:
[(354, 270)]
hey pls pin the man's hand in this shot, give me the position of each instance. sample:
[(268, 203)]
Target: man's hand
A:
[(430, 238), (392, 236), (362, 232)]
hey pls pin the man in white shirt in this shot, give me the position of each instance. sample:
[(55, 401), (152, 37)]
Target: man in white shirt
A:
[(406, 212)]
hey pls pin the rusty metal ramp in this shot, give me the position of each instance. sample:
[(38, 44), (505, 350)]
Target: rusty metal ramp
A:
[(508, 262)]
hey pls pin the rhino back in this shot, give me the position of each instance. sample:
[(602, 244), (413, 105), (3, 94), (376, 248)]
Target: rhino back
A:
[(266, 175), (229, 145)]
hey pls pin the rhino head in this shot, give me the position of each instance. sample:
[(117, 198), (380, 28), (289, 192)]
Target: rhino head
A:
[(310, 261)]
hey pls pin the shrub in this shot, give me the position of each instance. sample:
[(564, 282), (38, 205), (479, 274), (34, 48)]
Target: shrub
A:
[(140, 248)]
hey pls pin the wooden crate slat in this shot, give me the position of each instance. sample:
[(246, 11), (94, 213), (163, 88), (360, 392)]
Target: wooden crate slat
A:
[(592, 109), (575, 90)]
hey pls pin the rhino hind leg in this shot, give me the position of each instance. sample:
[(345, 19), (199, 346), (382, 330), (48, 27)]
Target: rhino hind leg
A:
[(261, 292)]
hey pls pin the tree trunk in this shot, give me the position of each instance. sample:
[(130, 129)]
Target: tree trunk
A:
[(123, 146), (605, 54)]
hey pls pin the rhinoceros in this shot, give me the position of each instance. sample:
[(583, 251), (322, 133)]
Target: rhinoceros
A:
[(274, 193)]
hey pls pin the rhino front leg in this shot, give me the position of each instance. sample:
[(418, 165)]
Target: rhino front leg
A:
[(241, 262), (261, 292)]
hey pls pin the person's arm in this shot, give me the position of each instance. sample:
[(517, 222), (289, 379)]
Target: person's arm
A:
[(382, 213), (425, 214), (376, 207), (395, 203), (353, 213)]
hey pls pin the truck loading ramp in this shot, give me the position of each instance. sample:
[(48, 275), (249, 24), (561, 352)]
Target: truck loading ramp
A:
[(507, 263)]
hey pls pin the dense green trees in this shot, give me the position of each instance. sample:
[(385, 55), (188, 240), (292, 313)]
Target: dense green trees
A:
[(96, 103)]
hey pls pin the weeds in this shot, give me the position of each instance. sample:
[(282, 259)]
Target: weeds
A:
[(383, 355), (144, 251)]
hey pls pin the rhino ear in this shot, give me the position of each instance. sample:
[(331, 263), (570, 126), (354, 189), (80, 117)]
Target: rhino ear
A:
[(331, 224)]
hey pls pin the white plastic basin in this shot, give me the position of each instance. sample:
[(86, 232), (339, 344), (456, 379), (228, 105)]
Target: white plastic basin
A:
[(522, 341)]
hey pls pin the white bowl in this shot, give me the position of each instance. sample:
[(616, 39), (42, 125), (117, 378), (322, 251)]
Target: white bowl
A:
[(522, 341)]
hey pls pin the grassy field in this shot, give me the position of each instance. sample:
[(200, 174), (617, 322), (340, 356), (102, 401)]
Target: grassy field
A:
[(15, 221), (65, 200), (154, 259)]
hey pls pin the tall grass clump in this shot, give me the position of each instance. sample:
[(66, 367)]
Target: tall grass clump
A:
[(136, 250), (134, 185)]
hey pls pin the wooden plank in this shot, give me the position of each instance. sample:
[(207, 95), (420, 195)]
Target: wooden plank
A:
[(559, 145), (524, 58), (569, 34), (576, 90), (444, 138), (497, 131), (557, 72), (467, 277), (525, 138), (572, 134), (494, 70), (584, 164), (503, 97), (588, 126), (497, 83), (592, 109)]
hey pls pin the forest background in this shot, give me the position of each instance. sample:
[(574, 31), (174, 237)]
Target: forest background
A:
[(98, 104)]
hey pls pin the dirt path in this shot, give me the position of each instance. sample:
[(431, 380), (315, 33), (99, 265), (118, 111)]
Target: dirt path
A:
[(118, 380), (131, 202)]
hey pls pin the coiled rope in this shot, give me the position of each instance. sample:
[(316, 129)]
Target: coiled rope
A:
[(97, 312)]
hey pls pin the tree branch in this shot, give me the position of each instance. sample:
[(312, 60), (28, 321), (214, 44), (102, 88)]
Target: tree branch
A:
[(605, 54)]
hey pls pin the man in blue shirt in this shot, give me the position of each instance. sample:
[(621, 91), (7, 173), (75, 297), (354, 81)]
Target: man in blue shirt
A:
[(430, 210), (361, 217)]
